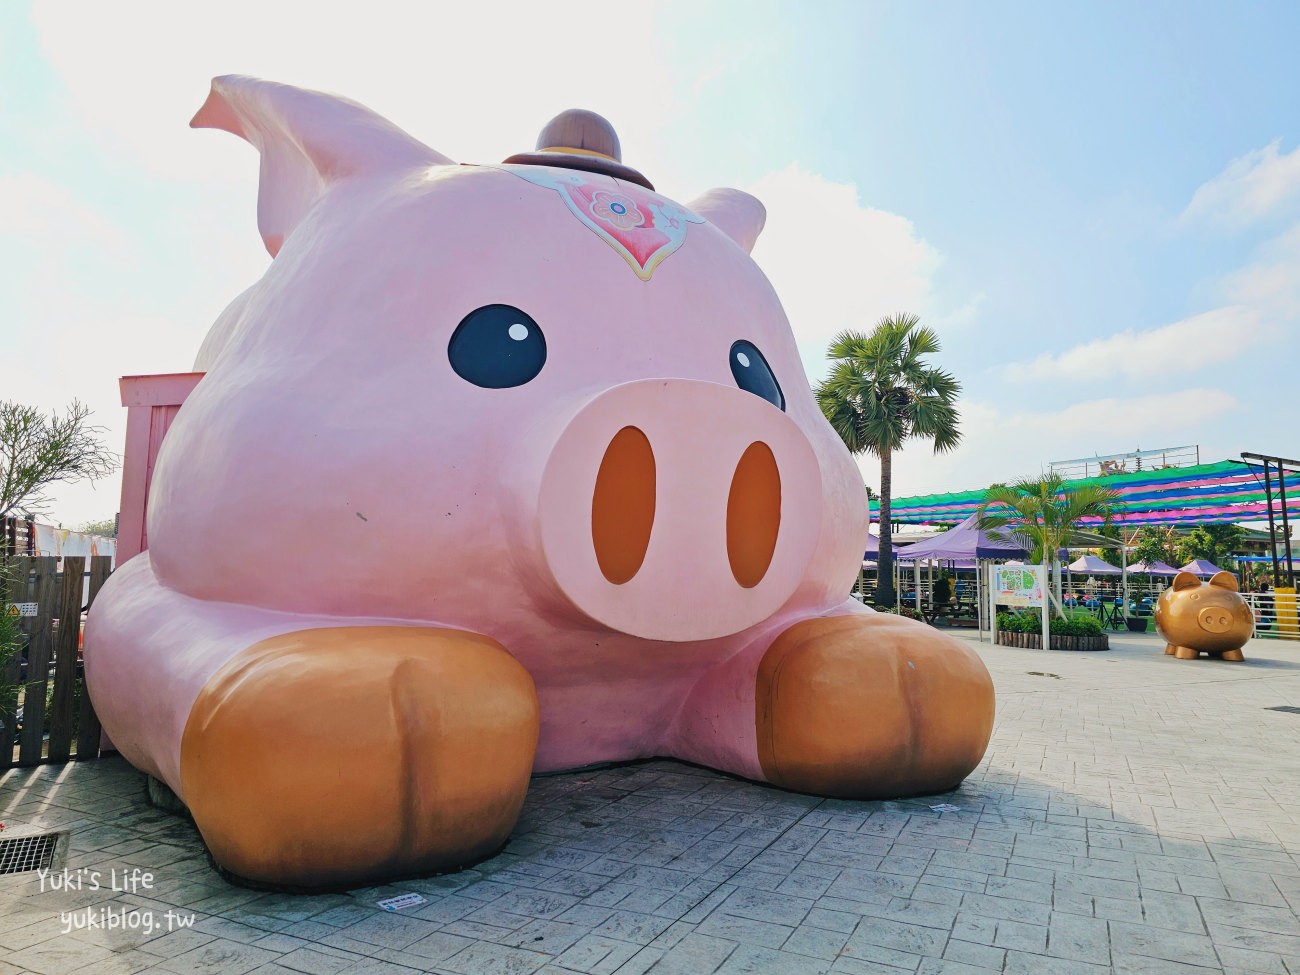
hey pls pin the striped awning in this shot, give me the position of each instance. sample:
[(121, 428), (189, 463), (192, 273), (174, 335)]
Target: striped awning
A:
[(1219, 493)]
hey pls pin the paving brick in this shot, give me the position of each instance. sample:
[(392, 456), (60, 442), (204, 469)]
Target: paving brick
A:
[(911, 938), (1161, 943), (949, 966), (491, 959), (743, 929), (968, 953), (818, 942), (1020, 936), (1080, 938), (767, 906)]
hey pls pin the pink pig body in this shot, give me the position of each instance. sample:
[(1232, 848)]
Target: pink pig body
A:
[(332, 469)]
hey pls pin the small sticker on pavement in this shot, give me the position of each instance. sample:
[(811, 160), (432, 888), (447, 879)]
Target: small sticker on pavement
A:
[(401, 902), (946, 807)]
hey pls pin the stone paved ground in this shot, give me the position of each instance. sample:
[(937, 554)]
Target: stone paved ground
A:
[(1135, 813)]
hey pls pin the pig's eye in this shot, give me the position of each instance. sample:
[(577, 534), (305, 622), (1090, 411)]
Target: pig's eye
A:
[(754, 375), (497, 346)]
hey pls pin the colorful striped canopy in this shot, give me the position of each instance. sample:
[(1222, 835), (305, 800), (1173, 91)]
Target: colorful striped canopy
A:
[(1203, 494)]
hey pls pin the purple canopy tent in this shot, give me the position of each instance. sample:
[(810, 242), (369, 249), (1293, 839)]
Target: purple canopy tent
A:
[(1092, 565), (964, 541), (872, 553), (1156, 568), (1201, 567), (964, 545)]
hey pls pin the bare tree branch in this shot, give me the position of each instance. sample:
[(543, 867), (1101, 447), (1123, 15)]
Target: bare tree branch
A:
[(37, 451)]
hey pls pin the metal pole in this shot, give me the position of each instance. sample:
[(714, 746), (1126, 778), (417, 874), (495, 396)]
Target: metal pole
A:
[(1123, 568), (993, 606), (1286, 528), (1272, 530), (979, 602)]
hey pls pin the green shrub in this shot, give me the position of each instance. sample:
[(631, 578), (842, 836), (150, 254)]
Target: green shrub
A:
[(1028, 621), (1024, 621), (11, 641), (1077, 626)]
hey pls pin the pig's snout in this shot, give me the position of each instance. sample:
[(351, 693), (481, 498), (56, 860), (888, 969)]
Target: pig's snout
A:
[(1221, 620), (623, 509), (679, 510), (1216, 619)]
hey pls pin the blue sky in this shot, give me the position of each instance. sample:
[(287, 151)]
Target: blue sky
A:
[(1097, 205)]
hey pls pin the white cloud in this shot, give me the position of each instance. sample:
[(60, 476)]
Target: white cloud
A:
[(1271, 281), (1256, 302), (475, 81), (998, 437), (1262, 183), (836, 263), (1208, 339), (38, 210)]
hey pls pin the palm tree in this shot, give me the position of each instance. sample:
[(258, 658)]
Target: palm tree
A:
[(1048, 513), (880, 394)]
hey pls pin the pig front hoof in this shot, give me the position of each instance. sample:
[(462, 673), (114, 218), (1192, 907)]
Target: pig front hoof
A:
[(871, 707), (1233, 655), (331, 758), (1186, 653)]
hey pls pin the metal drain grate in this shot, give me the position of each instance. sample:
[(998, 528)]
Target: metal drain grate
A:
[(20, 854), (1288, 708)]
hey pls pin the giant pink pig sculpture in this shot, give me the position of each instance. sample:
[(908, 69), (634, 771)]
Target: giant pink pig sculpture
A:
[(498, 469)]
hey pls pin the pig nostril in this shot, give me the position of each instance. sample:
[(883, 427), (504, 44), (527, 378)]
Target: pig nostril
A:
[(623, 505), (753, 514)]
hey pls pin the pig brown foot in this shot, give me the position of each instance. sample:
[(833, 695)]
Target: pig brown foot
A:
[(333, 757), (1234, 655), (1186, 653), (1170, 648), (871, 706)]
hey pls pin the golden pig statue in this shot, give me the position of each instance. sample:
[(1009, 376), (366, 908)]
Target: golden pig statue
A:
[(1204, 617)]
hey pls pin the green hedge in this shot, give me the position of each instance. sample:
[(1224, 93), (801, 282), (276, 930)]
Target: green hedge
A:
[(1029, 621)]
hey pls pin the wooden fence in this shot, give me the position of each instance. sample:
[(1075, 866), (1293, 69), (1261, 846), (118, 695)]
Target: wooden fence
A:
[(48, 669)]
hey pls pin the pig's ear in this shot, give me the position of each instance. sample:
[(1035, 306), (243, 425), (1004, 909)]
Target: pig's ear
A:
[(1225, 580), (308, 141), (737, 214), (1185, 580)]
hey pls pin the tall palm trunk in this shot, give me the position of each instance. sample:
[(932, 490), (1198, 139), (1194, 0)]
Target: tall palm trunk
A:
[(885, 557)]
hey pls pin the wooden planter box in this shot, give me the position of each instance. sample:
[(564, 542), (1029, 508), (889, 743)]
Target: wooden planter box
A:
[(1035, 640)]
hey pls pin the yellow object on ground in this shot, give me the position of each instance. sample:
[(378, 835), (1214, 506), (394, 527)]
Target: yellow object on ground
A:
[(1288, 622)]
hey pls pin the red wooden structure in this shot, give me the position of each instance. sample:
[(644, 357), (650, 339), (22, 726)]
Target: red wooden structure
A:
[(152, 403)]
